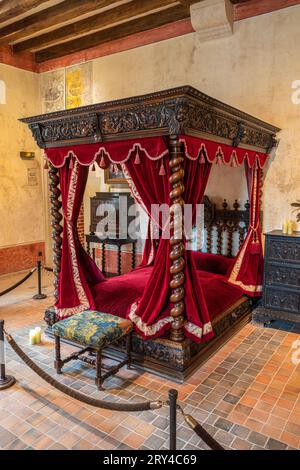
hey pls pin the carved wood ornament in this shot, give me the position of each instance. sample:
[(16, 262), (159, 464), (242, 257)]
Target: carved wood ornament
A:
[(182, 110), (176, 240), (56, 224)]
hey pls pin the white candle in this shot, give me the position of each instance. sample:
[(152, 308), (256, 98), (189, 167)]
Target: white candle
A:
[(38, 334), (32, 337), (285, 227)]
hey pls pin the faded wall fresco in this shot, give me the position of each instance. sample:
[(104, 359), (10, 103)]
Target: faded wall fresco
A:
[(79, 85), (53, 91)]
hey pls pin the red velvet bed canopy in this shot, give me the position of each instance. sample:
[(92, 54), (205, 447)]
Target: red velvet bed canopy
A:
[(146, 162), (165, 143)]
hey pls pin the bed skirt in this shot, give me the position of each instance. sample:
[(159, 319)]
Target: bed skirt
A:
[(177, 361)]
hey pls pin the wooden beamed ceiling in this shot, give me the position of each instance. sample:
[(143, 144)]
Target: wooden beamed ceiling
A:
[(67, 26), (54, 28), (97, 22)]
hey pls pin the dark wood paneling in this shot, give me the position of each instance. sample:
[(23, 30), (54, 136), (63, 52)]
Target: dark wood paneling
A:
[(93, 23), (145, 23)]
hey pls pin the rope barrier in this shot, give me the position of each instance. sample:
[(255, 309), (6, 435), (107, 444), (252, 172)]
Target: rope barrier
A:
[(200, 431), (50, 270), (149, 405), (40, 294), (17, 284), (7, 381)]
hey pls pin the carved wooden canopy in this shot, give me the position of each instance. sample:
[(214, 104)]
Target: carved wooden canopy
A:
[(182, 110)]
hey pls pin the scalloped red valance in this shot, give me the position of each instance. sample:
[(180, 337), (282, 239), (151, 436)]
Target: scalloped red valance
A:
[(221, 153), (112, 152), (154, 148)]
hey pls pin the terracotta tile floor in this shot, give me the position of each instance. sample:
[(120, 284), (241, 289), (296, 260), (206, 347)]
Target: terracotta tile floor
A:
[(247, 395)]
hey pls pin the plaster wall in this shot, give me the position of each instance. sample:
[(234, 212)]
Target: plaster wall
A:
[(252, 70), (21, 200)]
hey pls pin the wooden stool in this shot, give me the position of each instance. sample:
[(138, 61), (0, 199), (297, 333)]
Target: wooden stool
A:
[(94, 331)]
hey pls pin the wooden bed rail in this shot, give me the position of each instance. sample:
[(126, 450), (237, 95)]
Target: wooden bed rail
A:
[(222, 223)]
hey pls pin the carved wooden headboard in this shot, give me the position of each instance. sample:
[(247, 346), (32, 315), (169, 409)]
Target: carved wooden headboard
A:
[(225, 227)]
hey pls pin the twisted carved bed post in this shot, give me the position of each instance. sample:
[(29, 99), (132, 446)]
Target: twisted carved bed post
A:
[(176, 241), (55, 223)]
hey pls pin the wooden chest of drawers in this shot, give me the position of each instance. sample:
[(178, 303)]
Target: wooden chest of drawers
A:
[(281, 289)]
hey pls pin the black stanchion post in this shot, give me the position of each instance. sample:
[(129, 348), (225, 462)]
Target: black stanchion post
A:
[(39, 295), (5, 380), (173, 394)]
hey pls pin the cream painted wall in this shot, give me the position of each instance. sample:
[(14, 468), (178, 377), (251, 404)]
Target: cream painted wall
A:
[(252, 70), (21, 205)]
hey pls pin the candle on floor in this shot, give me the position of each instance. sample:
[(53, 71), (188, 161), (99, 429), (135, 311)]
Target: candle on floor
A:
[(32, 337), (38, 334)]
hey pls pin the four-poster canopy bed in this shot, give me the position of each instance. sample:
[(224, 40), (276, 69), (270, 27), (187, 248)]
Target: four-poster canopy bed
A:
[(182, 303)]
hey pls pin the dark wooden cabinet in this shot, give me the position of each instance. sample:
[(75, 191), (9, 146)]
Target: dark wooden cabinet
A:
[(281, 289), (121, 202)]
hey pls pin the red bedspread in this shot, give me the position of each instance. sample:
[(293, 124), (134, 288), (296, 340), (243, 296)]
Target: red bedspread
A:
[(116, 294)]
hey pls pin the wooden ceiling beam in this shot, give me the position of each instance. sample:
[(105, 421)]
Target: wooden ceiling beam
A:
[(93, 23), (153, 20), (9, 9), (188, 3), (50, 17)]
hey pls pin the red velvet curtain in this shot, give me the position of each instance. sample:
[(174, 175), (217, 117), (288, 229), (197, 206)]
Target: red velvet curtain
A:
[(150, 313), (198, 326), (150, 247), (247, 271), (78, 270)]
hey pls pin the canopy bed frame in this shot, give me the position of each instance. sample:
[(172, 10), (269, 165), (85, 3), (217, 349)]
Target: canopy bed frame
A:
[(165, 143)]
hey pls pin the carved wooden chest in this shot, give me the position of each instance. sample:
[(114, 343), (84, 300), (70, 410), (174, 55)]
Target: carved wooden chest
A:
[(281, 291)]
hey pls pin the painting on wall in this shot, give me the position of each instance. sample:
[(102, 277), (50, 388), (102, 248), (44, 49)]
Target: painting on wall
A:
[(53, 91), (114, 178), (79, 91)]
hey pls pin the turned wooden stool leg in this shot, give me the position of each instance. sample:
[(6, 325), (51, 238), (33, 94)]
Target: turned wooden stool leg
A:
[(57, 363), (99, 380), (129, 349)]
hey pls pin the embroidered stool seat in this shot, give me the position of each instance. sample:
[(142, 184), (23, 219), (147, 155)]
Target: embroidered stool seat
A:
[(94, 331)]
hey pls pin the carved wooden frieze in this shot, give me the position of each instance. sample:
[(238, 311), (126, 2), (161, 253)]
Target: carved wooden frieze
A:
[(284, 250), (286, 275), (70, 128), (170, 112), (280, 299), (132, 119)]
